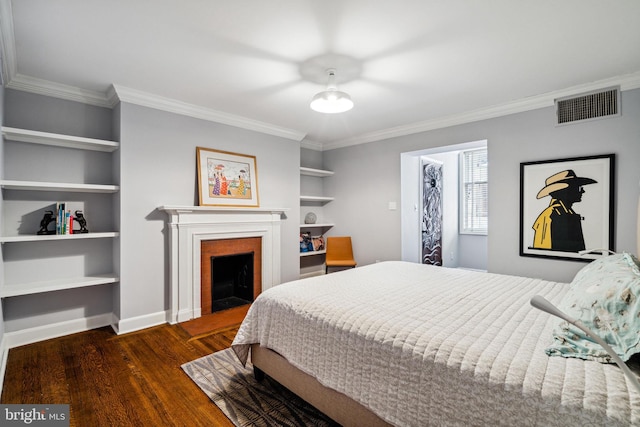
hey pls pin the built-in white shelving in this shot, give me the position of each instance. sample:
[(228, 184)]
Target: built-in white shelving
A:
[(327, 225), (311, 253), (15, 286), (315, 172), (27, 288), (58, 186), (58, 140), (49, 237), (319, 199), (312, 262)]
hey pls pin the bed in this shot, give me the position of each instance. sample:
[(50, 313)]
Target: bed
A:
[(399, 343)]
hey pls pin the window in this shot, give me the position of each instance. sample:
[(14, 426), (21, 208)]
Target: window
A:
[(474, 201)]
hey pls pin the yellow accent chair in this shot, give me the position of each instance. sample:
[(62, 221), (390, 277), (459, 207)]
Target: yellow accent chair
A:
[(339, 253)]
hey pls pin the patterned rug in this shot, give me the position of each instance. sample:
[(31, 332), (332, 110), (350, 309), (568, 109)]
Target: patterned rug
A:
[(247, 402)]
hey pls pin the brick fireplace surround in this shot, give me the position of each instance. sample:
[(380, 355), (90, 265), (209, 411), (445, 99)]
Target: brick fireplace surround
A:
[(222, 248), (189, 226)]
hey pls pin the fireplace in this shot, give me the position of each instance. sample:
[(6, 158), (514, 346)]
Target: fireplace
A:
[(231, 281), (189, 226), (230, 273)]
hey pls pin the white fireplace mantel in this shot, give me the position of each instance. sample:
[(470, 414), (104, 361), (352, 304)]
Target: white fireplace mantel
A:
[(189, 226)]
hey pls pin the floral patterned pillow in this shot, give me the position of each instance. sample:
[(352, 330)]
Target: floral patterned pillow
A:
[(605, 297)]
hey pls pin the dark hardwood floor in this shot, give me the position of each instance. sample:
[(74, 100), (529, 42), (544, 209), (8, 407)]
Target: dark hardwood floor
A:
[(109, 380)]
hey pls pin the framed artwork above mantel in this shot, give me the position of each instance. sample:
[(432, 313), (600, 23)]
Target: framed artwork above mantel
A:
[(226, 178)]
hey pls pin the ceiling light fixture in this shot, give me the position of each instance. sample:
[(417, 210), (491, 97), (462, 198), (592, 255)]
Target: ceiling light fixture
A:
[(331, 100)]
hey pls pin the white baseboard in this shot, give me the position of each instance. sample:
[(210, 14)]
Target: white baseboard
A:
[(55, 330), (312, 274), (40, 333), (124, 326)]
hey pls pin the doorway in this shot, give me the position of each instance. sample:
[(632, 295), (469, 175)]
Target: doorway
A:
[(458, 250)]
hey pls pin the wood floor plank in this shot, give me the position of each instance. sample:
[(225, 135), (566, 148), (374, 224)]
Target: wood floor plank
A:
[(118, 380), (162, 350)]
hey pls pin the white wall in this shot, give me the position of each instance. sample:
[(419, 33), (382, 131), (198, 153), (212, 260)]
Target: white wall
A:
[(158, 167), (367, 177)]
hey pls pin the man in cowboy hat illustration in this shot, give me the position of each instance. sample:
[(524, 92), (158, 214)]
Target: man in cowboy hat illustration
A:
[(558, 227)]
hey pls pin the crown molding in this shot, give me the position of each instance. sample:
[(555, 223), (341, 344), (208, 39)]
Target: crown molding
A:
[(7, 40), (145, 99), (626, 82), (58, 90), (115, 93), (311, 145)]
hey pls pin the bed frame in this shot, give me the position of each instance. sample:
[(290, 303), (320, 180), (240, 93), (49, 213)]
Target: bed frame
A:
[(335, 405)]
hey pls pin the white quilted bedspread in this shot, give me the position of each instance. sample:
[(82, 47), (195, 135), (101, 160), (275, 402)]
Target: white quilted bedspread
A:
[(422, 345)]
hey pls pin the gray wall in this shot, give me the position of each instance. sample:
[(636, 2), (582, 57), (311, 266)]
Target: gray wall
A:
[(367, 178), (43, 113), (158, 167)]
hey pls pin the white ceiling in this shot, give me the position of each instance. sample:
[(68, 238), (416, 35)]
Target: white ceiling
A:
[(409, 65)]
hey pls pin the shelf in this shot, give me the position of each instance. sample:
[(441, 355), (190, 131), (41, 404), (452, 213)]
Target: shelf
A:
[(58, 186), (315, 199), (57, 140), (44, 237), (18, 289), (316, 225), (313, 259), (315, 172), (311, 253)]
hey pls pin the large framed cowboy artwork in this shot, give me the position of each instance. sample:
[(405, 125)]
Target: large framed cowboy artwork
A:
[(567, 207)]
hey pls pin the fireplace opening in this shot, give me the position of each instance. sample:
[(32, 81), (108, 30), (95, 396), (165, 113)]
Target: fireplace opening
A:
[(237, 264), (232, 281)]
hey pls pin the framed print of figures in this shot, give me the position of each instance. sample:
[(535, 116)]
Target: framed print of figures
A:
[(226, 179), (567, 206)]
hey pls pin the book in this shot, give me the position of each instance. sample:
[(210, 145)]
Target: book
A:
[(60, 217), (68, 226)]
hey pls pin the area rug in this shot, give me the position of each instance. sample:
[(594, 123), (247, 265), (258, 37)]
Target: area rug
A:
[(247, 402)]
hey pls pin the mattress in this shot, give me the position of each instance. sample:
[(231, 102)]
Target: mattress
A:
[(424, 345)]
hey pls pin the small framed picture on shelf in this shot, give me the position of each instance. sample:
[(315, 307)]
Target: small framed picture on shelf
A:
[(226, 179), (306, 244), (318, 243)]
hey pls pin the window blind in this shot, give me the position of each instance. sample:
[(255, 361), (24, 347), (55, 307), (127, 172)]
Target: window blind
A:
[(474, 192)]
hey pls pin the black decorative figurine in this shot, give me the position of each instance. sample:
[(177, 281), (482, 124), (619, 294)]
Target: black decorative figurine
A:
[(44, 224), (79, 216)]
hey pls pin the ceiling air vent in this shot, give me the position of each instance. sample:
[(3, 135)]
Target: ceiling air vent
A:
[(592, 105)]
